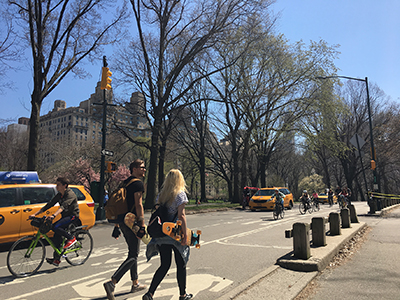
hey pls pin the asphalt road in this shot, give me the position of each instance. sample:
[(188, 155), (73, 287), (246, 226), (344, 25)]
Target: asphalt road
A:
[(235, 245)]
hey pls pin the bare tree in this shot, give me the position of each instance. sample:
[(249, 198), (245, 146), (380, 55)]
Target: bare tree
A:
[(171, 35), (61, 34), (8, 50)]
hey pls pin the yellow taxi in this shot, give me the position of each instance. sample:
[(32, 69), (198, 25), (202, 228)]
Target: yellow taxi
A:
[(323, 198), (19, 201), (262, 199)]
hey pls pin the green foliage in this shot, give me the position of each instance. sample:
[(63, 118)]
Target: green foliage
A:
[(312, 183)]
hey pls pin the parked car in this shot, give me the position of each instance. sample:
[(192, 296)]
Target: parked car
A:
[(19, 201), (262, 199)]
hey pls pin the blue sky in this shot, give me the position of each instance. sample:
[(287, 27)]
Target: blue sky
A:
[(366, 30)]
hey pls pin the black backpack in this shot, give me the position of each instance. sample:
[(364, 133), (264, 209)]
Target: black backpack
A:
[(158, 217)]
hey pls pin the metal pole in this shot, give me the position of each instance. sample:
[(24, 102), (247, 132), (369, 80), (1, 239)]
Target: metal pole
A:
[(362, 165), (375, 187), (100, 213)]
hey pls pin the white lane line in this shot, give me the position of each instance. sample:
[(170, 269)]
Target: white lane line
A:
[(245, 233), (255, 246)]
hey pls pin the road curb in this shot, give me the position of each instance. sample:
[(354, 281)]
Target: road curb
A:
[(321, 256)]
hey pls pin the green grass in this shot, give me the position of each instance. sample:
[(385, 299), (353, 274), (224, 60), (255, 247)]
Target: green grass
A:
[(206, 206), (211, 204)]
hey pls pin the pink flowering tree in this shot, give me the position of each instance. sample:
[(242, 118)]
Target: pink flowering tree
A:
[(115, 179), (81, 173)]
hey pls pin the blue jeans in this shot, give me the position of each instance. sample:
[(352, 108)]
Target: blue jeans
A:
[(59, 232)]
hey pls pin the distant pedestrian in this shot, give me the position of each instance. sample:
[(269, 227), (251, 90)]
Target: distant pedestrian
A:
[(330, 197), (173, 195)]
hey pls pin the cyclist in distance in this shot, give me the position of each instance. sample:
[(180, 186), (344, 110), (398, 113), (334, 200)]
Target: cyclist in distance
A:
[(305, 199), (69, 210), (315, 199), (343, 197), (279, 198)]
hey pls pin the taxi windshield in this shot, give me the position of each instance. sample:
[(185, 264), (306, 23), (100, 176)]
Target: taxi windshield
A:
[(265, 193)]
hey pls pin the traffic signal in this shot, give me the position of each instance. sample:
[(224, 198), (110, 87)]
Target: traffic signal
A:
[(373, 165), (111, 167), (105, 83)]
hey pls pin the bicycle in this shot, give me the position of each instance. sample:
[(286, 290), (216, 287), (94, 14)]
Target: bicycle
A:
[(304, 208), (342, 201), (27, 255), (315, 204), (279, 211)]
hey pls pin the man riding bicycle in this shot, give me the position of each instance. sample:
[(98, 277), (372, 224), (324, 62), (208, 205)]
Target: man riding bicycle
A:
[(69, 210), (279, 198), (305, 199)]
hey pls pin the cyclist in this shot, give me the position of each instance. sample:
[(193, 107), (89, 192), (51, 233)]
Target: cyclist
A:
[(343, 197), (305, 199), (315, 199), (279, 199), (348, 195), (69, 210)]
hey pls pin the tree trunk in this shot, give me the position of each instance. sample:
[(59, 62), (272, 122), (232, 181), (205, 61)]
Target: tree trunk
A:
[(161, 162), (152, 175), (236, 194), (34, 133), (263, 179)]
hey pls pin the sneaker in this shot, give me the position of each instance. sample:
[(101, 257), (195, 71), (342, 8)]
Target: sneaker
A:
[(109, 286), (53, 261), (70, 243), (147, 296), (137, 287), (186, 297)]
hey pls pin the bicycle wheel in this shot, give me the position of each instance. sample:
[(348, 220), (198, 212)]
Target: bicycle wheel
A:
[(302, 209), (315, 206), (82, 249), (25, 256), (282, 214), (276, 215)]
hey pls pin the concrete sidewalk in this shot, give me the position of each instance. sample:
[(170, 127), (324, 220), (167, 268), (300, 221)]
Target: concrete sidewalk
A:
[(373, 269), (373, 272)]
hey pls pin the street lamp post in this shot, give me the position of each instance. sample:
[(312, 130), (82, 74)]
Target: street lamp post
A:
[(375, 186)]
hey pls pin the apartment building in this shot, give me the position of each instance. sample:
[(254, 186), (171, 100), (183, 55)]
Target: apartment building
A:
[(81, 126)]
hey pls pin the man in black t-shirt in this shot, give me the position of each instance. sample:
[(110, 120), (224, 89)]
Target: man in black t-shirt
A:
[(134, 195)]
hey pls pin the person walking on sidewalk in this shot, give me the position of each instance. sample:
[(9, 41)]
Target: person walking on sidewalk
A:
[(69, 210), (173, 196), (134, 195)]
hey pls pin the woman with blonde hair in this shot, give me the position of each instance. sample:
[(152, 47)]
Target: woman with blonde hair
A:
[(173, 196)]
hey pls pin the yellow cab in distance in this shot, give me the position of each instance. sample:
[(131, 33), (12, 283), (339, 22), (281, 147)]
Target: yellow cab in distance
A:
[(262, 199), (19, 201), (323, 198)]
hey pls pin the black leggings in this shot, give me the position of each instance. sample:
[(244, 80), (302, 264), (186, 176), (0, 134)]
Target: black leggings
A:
[(166, 257)]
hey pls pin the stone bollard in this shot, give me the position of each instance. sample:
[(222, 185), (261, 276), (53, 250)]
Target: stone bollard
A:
[(301, 240), (334, 224), (318, 232), (345, 216), (372, 205), (353, 214)]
